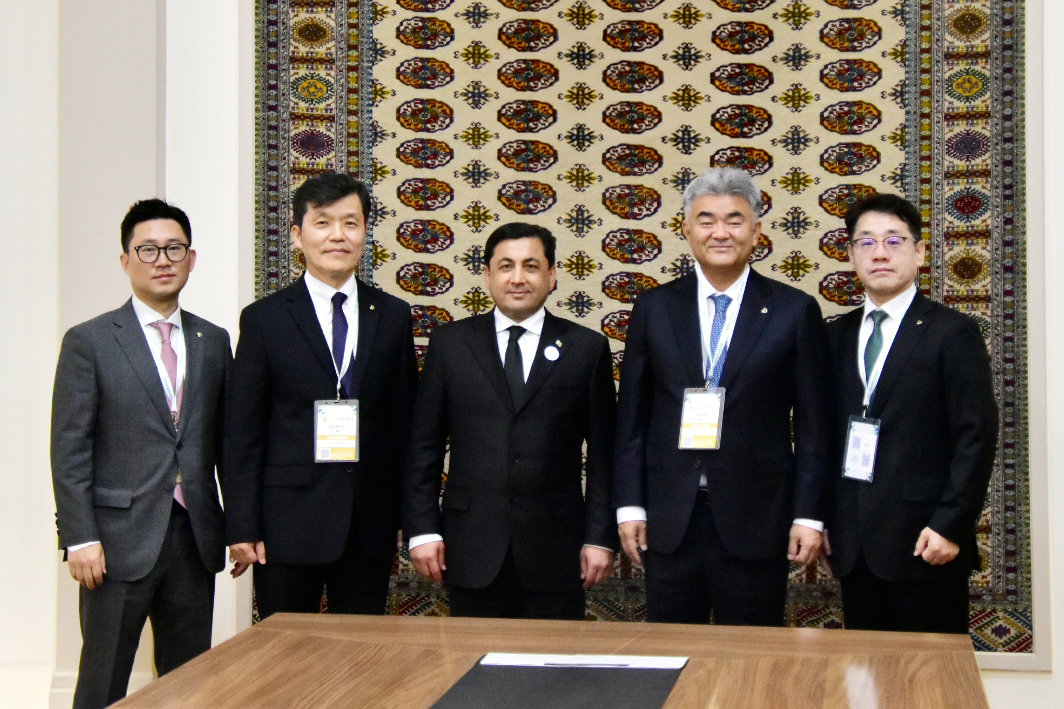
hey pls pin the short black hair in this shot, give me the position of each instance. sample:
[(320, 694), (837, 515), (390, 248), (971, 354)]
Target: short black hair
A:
[(886, 203), (148, 209), (324, 189), (520, 230)]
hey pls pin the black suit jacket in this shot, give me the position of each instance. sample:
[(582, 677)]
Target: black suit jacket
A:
[(276, 493), (758, 482), (115, 451), (937, 442), (514, 478)]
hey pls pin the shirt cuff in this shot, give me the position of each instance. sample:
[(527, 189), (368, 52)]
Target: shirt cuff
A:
[(811, 523), (631, 514), (420, 539), (596, 546), (78, 547)]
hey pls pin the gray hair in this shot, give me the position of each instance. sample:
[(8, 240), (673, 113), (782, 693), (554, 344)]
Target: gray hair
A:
[(723, 181)]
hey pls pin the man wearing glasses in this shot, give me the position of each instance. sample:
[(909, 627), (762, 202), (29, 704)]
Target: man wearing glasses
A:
[(918, 424), (136, 416)]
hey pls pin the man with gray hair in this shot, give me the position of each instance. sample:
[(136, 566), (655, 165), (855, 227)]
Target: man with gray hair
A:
[(712, 495)]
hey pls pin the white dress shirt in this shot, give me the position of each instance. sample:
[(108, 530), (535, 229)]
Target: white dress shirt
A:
[(321, 295), (706, 313), (895, 310), (146, 316), (529, 340)]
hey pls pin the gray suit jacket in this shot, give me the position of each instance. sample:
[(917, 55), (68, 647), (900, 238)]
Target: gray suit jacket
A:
[(115, 451)]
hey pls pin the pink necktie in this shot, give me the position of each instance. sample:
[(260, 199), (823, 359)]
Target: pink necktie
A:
[(169, 357)]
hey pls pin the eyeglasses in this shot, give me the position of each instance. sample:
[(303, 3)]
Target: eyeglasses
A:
[(868, 244), (149, 253)]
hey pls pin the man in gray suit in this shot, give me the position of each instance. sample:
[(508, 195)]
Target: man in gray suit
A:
[(136, 416)]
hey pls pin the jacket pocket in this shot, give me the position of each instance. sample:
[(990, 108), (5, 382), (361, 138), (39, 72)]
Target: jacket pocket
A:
[(922, 490), (456, 500), (112, 497), (289, 476)]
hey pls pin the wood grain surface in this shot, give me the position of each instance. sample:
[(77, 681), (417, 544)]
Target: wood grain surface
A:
[(317, 661)]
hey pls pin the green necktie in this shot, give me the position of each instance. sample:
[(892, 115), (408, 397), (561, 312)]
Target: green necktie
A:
[(875, 343)]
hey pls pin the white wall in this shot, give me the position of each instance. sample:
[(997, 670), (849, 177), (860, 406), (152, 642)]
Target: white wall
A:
[(83, 138), (29, 318)]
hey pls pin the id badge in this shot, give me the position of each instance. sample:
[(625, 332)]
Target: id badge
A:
[(862, 437), (336, 431), (702, 417)]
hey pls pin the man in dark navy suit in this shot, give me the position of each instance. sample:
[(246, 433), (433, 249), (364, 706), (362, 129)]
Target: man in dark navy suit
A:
[(715, 527), (903, 529), (304, 522)]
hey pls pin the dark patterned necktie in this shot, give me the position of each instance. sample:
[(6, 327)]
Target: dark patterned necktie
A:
[(875, 343)]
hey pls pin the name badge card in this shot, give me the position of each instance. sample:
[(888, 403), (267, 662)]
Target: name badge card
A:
[(861, 441), (336, 431), (700, 422)]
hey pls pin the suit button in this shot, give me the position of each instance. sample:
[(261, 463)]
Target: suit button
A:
[(515, 459), (697, 464), (513, 499), (349, 470)]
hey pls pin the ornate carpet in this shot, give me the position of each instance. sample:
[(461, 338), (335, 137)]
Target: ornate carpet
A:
[(591, 116)]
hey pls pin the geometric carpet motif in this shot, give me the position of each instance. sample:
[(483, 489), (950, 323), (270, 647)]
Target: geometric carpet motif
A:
[(589, 117)]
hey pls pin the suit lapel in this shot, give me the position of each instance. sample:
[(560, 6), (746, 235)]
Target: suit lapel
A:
[(485, 350), (193, 368), (301, 308), (551, 336), (754, 315), (683, 310), (911, 330), (368, 315), (130, 335)]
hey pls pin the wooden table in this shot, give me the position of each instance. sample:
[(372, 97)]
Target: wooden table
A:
[(316, 661)]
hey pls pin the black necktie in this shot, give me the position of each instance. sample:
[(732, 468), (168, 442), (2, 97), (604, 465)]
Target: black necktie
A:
[(339, 341), (514, 365)]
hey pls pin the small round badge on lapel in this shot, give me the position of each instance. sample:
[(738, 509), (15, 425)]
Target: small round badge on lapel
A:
[(551, 352)]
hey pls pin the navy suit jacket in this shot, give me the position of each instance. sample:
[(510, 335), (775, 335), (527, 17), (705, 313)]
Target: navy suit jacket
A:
[(937, 441), (759, 482), (277, 494)]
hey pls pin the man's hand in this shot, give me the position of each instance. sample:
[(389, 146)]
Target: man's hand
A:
[(825, 552), (633, 539), (934, 548), (246, 554), (805, 544), (428, 560), (596, 565), (88, 566)]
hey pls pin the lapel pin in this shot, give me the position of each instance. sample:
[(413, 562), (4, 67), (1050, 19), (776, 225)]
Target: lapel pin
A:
[(919, 322), (764, 310), (551, 352), (373, 307), (199, 334), (558, 343)]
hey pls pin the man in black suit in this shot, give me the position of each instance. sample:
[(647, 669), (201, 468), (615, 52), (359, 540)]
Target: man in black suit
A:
[(518, 392), (919, 427), (326, 338), (136, 438), (715, 527)]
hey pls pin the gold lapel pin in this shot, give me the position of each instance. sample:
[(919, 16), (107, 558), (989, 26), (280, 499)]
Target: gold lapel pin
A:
[(373, 307), (558, 343), (199, 334), (764, 310), (919, 322)]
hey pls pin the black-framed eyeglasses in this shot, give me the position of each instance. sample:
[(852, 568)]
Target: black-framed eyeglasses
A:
[(891, 243), (149, 253)]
